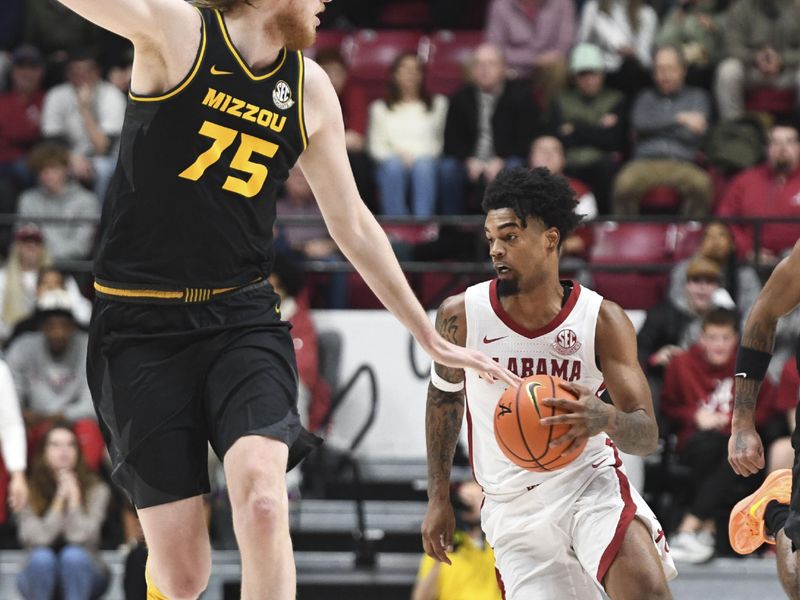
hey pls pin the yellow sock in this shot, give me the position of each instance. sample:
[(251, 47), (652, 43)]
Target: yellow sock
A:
[(153, 593)]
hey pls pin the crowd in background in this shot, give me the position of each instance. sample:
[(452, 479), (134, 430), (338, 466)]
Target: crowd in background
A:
[(683, 107)]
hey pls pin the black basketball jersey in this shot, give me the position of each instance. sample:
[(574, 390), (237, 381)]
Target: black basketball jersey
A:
[(192, 200)]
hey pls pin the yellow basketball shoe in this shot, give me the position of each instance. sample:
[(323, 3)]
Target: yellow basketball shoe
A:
[(746, 527)]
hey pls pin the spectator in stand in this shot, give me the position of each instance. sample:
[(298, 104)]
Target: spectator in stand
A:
[(673, 326), (58, 197), (471, 573), (535, 36), (406, 133), (762, 43), (490, 125), (669, 121), (695, 26), (547, 151), (697, 398), (309, 241), (624, 31), (19, 275), (314, 395), (13, 446), (57, 31), (355, 108), (86, 113), (20, 116), (51, 278), (740, 280), (49, 369), (590, 120), (61, 527), (768, 190)]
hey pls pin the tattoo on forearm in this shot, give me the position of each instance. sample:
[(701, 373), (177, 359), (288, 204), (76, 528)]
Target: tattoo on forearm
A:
[(443, 416), (634, 432), (746, 394), (447, 328), (759, 336)]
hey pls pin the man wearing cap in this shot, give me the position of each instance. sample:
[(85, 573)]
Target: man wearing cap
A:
[(49, 370), (20, 116), (670, 121), (671, 327), (490, 124), (590, 121)]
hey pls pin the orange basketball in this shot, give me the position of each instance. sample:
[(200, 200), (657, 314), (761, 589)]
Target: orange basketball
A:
[(517, 429)]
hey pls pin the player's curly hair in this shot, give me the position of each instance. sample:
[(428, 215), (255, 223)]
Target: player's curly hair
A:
[(535, 193)]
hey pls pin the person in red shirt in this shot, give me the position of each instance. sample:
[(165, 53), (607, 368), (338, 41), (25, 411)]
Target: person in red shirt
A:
[(768, 190), (697, 399), (20, 113)]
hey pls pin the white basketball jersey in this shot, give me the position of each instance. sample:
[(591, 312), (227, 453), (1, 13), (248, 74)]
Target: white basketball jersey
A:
[(563, 348)]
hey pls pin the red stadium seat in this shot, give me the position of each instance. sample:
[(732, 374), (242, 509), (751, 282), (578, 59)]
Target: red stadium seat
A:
[(448, 54), (660, 200), (326, 39), (411, 233), (687, 239), (370, 53), (631, 243), (409, 13)]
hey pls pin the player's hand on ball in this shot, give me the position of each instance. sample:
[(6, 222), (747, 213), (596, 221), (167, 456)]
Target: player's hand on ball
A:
[(745, 451), (437, 530), (588, 416), (451, 355)]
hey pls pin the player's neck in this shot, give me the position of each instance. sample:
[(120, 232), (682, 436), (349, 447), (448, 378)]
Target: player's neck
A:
[(255, 35), (536, 306)]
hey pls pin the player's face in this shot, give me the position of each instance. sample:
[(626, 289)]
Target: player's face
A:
[(519, 254), (61, 450), (298, 22), (719, 343)]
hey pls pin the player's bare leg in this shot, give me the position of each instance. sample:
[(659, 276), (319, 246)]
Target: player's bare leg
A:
[(255, 469), (636, 572), (787, 566), (179, 559)]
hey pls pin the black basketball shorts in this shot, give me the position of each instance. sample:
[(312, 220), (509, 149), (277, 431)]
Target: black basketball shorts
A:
[(166, 379)]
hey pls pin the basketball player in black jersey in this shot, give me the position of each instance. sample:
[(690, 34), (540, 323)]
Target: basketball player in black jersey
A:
[(187, 345), (772, 513)]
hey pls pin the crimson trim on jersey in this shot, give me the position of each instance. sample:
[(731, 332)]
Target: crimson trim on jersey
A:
[(500, 583), (501, 313), (625, 518)]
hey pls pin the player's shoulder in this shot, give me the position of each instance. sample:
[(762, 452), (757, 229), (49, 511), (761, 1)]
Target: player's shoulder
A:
[(612, 321), (453, 306)]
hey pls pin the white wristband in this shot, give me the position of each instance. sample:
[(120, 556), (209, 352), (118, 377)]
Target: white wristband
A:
[(440, 383)]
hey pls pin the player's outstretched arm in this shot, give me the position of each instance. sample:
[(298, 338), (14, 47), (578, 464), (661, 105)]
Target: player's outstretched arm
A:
[(629, 422), (358, 234), (443, 416), (781, 294)]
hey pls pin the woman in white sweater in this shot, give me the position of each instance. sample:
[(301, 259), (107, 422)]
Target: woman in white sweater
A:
[(624, 30), (405, 138)]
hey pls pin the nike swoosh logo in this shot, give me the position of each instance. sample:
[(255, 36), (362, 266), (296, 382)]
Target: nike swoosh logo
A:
[(598, 464), (742, 375), (487, 340), (215, 71)]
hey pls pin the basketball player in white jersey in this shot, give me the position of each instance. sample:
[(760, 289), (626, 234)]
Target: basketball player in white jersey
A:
[(575, 531)]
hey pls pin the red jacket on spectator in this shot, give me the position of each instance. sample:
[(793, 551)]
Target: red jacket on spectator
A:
[(20, 121), (306, 348), (758, 192), (690, 382)]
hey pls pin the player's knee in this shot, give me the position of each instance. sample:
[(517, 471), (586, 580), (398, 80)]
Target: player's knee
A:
[(263, 510), (183, 583)]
